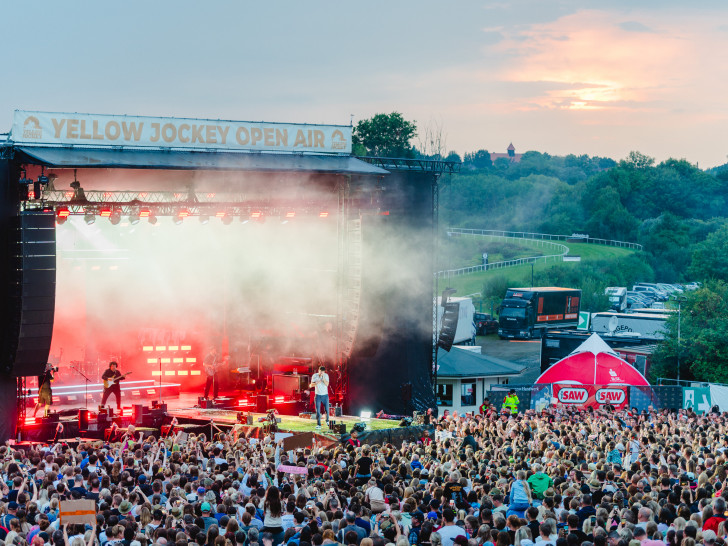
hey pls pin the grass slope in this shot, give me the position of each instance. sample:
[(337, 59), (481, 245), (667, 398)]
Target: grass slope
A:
[(521, 275)]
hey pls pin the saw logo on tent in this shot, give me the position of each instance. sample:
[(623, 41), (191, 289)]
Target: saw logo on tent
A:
[(573, 395), (611, 396), (614, 376)]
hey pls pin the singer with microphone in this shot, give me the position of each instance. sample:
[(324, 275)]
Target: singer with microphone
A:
[(45, 396), (320, 382)]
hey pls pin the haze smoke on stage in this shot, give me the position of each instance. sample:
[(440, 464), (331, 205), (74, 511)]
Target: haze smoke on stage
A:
[(230, 285)]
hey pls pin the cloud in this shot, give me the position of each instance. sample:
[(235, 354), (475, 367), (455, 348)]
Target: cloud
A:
[(598, 63), (634, 26)]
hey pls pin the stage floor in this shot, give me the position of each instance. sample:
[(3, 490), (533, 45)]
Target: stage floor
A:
[(185, 407)]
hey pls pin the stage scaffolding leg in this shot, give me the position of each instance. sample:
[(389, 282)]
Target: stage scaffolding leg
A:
[(22, 407), (436, 286)]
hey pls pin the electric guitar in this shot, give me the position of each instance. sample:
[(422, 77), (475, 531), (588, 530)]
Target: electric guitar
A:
[(211, 368), (108, 383)]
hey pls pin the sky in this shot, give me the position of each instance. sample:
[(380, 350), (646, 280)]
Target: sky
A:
[(558, 76)]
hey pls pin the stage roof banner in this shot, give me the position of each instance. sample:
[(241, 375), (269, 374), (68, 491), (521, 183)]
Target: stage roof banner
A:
[(197, 160), (99, 130)]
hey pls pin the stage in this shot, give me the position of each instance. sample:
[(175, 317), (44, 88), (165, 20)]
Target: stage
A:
[(194, 419)]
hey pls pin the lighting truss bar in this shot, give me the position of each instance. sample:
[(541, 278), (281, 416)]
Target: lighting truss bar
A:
[(170, 203), (422, 165)]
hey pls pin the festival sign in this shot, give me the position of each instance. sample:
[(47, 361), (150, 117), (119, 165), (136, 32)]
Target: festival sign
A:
[(594, 396), (48, 128)]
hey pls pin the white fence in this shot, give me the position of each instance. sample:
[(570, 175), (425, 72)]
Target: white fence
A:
[(539, 239)]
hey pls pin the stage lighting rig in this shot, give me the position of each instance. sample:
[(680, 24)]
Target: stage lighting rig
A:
[(115, 216), (134, 217), (79, 196), (90, 216)]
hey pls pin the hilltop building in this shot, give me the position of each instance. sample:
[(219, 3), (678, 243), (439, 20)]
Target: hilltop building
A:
[(510, 155)]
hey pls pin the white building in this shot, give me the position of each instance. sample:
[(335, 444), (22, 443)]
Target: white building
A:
[(464, 378)]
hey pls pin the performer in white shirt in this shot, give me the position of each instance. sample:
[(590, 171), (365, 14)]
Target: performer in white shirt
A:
[(320, 381)]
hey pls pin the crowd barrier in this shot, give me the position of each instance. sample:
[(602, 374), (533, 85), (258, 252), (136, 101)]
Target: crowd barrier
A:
[(536, 397)]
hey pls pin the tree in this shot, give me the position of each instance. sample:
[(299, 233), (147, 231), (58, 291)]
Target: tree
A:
[(703, 329), (478, 160), (710, 257), (384, 135)]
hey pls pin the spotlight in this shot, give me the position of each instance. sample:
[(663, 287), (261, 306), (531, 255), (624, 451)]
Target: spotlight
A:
[(181, 215), (204, 218), (324, 214), (257, 216), (105, 212), (115, 217), (290, 214), (62, 215), (89, 217), (152, 219), (227, 219), (365, 416), (134, 217)]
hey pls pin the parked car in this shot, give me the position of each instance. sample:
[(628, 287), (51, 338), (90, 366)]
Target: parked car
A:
[(653, 292), (643, 297), (692, 285), (484, 324), (635, 302)]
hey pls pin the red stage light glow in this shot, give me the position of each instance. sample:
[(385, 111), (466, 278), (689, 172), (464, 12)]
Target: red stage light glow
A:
[(256, 214), (144, 213), (279, 399), (290, 214), (105, 212), (183, 213), (323, 214), (63, 212)]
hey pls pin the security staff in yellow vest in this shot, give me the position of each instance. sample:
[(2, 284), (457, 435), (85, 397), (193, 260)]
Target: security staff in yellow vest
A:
[(510, 403)]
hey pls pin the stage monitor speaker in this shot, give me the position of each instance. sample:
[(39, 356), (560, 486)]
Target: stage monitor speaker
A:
[(449, 325), (261, 403), (138, 413), (32, 292)]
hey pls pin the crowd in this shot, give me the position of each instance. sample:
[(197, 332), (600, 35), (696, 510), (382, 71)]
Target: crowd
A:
[(556, 478)]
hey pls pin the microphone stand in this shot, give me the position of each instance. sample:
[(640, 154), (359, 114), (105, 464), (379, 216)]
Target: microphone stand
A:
[(85, 397)]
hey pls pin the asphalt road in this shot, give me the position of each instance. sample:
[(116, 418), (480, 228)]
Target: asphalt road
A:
[(521, 352)]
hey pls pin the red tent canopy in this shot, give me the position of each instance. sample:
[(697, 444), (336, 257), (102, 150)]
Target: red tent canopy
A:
[(593, 363)]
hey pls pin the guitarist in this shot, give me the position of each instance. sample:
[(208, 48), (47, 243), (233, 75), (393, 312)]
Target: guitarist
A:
[(111, 377), (210, 365)]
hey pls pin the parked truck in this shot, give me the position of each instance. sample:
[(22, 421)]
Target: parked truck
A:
[(617, 298), (527, 312), (644, 326)]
